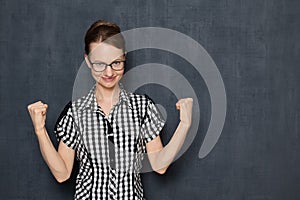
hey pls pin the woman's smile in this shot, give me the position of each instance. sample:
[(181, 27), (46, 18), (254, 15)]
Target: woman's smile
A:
[(108, 79)]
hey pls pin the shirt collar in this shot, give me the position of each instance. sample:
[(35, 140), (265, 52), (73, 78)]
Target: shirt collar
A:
[(89, 101), (124, 96)]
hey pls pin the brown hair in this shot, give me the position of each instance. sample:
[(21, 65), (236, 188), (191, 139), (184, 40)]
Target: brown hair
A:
[(102, 31)]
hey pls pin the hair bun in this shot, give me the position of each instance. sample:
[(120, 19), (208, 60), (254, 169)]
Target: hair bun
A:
[(102, 30), (99, 23)]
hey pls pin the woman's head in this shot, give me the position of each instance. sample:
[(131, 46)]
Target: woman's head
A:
[(105, 53)]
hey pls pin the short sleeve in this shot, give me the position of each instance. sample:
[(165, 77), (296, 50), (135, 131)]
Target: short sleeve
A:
[(65, 128), (152, 122)]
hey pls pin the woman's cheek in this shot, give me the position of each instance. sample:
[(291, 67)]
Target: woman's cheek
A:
[(96, 75)]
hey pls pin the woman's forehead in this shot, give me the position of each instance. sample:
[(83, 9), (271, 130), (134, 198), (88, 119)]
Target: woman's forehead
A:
[(104, 52)]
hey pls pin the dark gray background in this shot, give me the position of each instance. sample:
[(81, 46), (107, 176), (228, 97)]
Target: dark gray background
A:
[(254, 43)]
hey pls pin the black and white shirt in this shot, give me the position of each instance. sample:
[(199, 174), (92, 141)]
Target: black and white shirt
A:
[(110, 149)]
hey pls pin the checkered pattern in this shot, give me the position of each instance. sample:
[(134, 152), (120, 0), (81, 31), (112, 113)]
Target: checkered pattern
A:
[(109, 149)]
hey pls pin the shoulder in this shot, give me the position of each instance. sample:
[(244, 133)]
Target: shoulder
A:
[(79, 103), (65, 111), (71, 106), (142, 103), (82, 103), (139, 99)]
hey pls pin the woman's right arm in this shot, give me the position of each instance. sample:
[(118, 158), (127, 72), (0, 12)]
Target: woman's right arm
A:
[(60, 162)]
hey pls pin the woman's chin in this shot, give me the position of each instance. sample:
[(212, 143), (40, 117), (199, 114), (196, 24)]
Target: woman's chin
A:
[(107, 85)]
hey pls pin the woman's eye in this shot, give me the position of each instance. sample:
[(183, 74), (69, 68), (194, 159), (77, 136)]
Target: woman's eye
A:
[(117, 62)]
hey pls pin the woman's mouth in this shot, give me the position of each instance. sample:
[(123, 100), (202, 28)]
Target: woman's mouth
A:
[(108, 79)]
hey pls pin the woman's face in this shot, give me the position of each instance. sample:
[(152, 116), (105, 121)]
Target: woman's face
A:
[(105, 53)]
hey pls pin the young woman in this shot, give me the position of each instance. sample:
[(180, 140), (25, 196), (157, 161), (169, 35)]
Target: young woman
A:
[(109, 130)]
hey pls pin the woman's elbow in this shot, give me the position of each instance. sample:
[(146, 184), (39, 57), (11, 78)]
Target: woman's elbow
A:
[(62, 179), (161, 171)]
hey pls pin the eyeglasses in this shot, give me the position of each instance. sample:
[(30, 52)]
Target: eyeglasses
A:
[(116, 65)]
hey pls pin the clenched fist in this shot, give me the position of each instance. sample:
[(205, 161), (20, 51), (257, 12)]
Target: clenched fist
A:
[(185, 107), (37, 113)]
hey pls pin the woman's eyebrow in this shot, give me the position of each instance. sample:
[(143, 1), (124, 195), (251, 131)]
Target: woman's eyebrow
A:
[(99, 61), (117, 59)]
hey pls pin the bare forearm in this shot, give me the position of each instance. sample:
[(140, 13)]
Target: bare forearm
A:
[(54, 161), (163, 158)]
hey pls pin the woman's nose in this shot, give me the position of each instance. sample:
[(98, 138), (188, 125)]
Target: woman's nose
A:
[(108, 71)]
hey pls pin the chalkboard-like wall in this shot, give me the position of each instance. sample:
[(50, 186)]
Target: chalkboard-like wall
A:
[(255, 45)]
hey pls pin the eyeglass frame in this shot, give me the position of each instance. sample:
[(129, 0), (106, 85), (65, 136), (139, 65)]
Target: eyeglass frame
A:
[(106, 65)]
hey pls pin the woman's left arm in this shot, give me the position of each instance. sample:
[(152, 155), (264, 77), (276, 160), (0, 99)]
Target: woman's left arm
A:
[(161, 157)]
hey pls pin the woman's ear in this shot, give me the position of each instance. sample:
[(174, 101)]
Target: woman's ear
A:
[(87, 61)]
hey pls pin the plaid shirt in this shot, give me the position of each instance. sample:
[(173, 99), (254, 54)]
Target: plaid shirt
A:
[(109, 148)]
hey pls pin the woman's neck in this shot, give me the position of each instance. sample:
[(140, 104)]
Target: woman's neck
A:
[(107, 94)]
